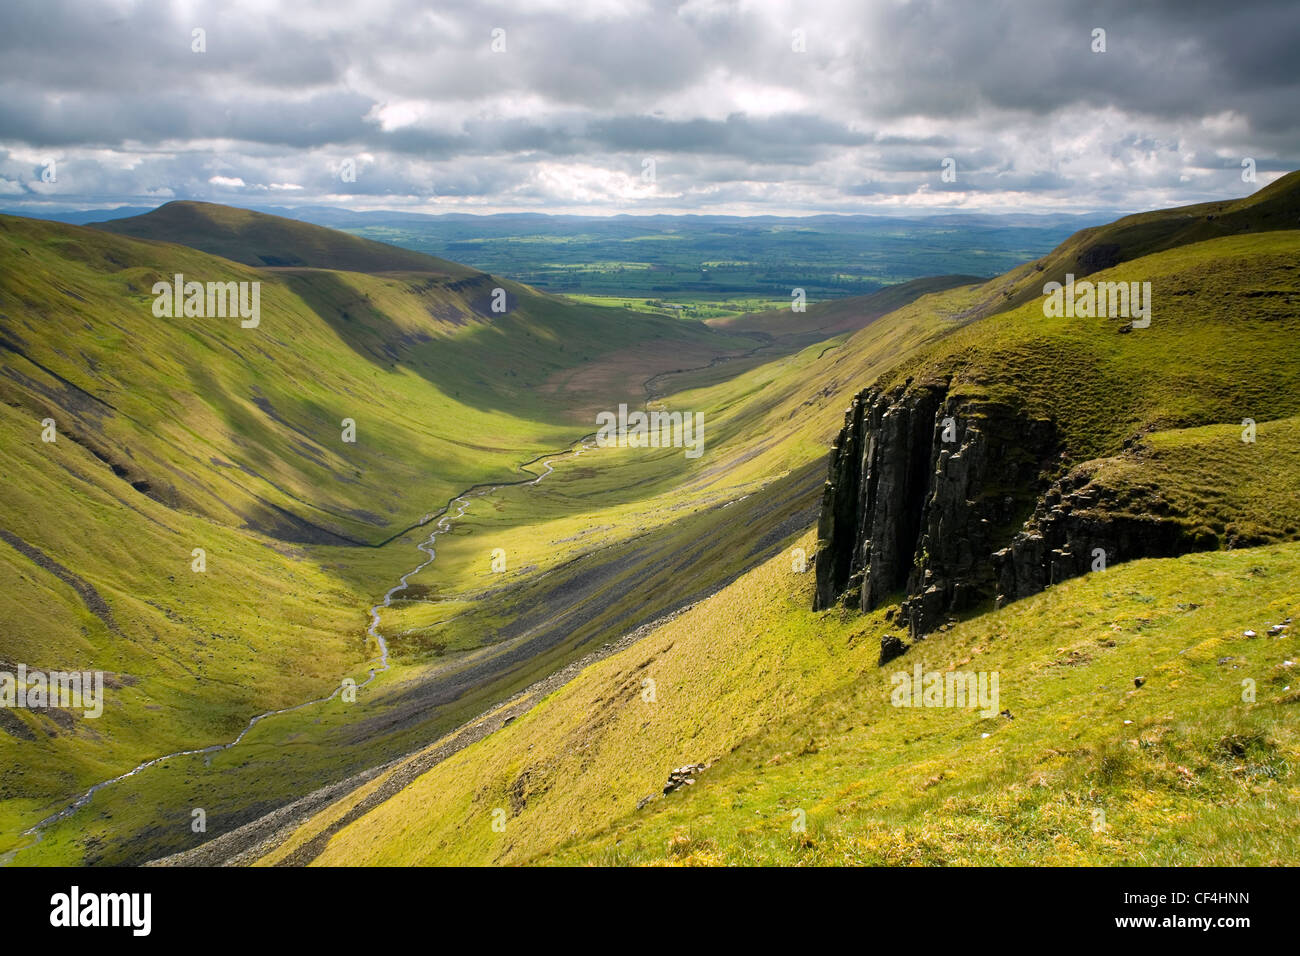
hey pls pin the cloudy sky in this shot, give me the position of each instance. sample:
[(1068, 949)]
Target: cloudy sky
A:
[(709, 106)]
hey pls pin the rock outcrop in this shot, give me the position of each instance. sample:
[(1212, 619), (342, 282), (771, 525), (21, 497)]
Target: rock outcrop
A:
[(944, 499), (1080, 526), (871, 508), (684, 776), (923, 486)]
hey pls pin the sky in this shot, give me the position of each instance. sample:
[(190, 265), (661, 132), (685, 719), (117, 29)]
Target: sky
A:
[(737, 107)]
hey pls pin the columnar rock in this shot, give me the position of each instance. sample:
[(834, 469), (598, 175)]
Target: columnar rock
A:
[(989, 460), (897, 480), (1078, 527), (922, 487), (838, 520)]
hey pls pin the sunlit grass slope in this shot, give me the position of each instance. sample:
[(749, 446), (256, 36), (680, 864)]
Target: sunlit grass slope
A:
[(177, 434), (1270, 208), (1208, 479), (791, 713), (1225, 318)]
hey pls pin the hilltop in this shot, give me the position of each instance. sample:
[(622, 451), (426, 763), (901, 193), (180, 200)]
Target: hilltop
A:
[(259, 239), (1273, 207)]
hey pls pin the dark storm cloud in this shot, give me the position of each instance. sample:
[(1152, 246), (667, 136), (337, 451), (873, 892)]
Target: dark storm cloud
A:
[(818, 106), (1171, 60), (107, 119)]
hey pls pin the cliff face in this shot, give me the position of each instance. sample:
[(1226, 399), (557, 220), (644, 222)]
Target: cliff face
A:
[(1079, 527), (923, 487), (943, 501), (872, 504)]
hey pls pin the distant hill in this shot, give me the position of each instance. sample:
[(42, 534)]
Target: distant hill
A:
[(259, 239), (80, 217)]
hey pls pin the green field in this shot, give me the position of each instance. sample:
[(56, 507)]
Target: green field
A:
[(719, 261), (684, 306)]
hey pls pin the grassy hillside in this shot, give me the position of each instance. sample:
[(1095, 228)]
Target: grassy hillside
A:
[(1225, 315), (235, 441), (1242, 493), (1273, 207), (422, 367), (790, 712), (259, 239), (176, 434), (592, 754), (602, 546)]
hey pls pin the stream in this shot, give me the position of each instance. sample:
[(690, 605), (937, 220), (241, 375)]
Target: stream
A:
[(444, 522)]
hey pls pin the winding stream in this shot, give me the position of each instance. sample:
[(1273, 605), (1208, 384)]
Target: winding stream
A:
[(444, 519), (444, 524)]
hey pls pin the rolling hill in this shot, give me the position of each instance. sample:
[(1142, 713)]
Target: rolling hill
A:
[(1274, 207), (259, 239)]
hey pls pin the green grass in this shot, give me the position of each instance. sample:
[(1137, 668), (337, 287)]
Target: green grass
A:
[(792, 713), (1224, 320), (1274, 207), (1209, 480), (548, 533), (232, 440), (1182, 769), (685, 306)]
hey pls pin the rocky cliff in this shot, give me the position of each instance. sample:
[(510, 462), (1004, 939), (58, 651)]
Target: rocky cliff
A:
[(924, 485), (944, 499), (1081, 525)]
